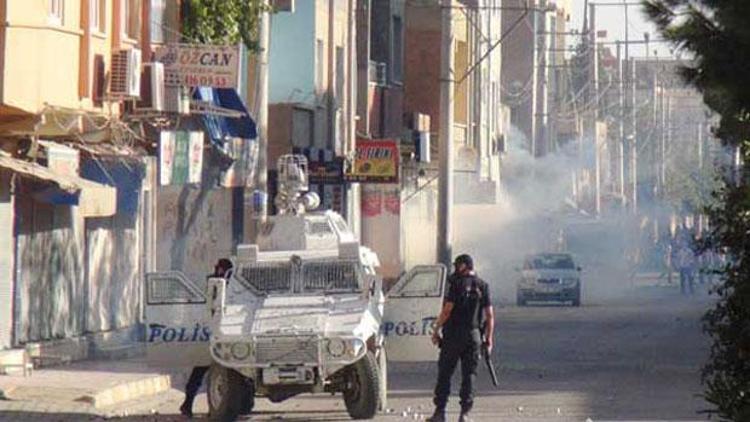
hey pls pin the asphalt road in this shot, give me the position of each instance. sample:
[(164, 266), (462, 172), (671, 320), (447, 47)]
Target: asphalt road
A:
[(631, 352), (634, 357)]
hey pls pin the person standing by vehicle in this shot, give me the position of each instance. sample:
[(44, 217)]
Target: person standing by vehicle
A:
[(222, 269), (465, 307)]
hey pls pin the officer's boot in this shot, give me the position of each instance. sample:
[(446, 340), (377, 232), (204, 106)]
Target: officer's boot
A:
[(465, 417), (437, 416), (186, 409)]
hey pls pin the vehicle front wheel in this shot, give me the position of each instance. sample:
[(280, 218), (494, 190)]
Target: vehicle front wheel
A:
[(520, 299), (229, 394), (362, 391), (577, 297)]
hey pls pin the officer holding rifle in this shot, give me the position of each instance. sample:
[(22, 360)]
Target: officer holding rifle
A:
[(466, 322)]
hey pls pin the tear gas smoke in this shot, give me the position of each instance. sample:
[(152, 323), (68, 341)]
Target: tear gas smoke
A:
[(537, 212)]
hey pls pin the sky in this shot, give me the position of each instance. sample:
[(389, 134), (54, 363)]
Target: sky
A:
[(612, 19)]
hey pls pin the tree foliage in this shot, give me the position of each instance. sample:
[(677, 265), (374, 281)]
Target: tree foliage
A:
[(717, 35), (223, 21)]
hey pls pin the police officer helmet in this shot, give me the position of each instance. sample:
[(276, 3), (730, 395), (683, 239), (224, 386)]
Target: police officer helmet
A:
[(464, 259), (223, 268)]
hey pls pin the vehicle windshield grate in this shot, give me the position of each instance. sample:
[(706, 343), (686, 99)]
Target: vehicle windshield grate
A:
[(268, 278), (330, 276)]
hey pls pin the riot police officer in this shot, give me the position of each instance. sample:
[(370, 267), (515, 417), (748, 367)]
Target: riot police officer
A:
[(223, 268), (466, 306)]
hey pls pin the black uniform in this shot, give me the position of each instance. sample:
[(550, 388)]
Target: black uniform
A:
[(223, 269), (461, 338)]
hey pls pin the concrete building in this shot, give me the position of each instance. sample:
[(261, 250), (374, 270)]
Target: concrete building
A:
[(479, 134), (534, 75), (53, 56), (81, 188), (312, 101), (398, 219)]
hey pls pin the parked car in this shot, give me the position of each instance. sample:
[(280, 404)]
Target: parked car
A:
[(549, 277)]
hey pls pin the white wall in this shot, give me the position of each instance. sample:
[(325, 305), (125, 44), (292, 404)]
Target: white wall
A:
[(381, 213), (6, 260)]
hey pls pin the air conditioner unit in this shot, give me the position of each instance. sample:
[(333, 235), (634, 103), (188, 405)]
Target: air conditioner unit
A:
[(125, 73), (176, 99), (152, 88)]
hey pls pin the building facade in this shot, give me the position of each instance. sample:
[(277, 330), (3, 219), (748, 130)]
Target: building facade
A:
[(312, 95), (88, 202), (535, 73), (479, 133)]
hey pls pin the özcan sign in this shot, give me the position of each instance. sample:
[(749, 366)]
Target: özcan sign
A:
[(200, 65)]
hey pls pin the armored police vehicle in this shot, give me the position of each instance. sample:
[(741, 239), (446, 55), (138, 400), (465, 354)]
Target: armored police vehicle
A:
[(303, 312)]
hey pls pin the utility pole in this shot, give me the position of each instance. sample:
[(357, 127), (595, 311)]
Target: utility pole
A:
[(630, 105), (445, 180), (259, 195), (667, 136), (593, 61), (594, 98), (654, 154), (658, 106), (700, 146), (633, 141), (621, 126), (542, 93), (535, 67)]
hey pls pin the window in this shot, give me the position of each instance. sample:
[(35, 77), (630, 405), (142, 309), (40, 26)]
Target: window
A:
[(552, 262), (422, 282), (158, 23), (339, 76), (56, 11), (98, 15), (319, 64), (302, 127), (398, 49), (131, 19)]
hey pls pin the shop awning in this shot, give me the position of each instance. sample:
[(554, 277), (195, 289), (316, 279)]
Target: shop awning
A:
[(93, 199), (222, 128)]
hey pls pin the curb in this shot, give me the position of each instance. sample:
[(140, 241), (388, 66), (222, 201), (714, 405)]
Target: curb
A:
[(128, 391), (5, 393)]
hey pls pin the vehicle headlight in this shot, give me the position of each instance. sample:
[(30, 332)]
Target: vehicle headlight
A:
[(222, 351), (240, 351), (355, 345), (336, 347), (570, 280)]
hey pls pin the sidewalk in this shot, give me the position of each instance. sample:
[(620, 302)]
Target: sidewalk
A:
[(86, 387)]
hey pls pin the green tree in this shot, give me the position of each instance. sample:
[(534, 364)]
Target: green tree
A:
[(717, 35), (223, 21), (688, 186)]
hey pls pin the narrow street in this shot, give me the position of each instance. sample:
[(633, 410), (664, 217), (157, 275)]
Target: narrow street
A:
[(286, 194), (635, 357)]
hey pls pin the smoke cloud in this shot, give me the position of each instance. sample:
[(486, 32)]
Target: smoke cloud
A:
[(537, 212)]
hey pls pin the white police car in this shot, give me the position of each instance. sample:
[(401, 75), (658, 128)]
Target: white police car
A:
[(549, 277)]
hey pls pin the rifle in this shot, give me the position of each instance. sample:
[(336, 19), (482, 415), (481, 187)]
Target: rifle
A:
[(488, 359)]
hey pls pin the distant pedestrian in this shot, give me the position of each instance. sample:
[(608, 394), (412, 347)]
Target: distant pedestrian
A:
[(223, 269), (686, 263)]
